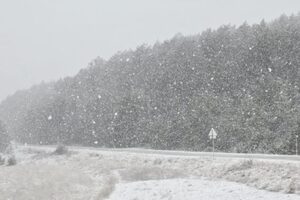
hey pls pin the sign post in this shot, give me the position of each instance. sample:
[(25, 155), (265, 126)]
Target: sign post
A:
[(296, 145), (213, 135)]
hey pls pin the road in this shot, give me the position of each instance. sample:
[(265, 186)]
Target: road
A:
[(191, 153), (207, 154)]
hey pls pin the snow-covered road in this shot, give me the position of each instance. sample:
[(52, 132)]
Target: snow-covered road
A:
[(198, 154), (187, 153)]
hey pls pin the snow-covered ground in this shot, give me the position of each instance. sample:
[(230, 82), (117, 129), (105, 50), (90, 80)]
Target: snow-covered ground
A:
[(192, 189), (97, 174)]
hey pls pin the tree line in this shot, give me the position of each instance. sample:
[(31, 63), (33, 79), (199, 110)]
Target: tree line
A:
[(243, 81)]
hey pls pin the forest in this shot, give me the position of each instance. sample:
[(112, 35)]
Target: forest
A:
[(242, 81)]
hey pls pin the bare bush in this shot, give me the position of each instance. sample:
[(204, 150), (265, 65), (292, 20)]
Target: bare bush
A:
[(243, 165), (11, 161), (61, 150), (2, 160), (149, 173)]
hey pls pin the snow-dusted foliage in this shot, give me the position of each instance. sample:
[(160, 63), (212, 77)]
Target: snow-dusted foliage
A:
[(243, 81), (4, 138)]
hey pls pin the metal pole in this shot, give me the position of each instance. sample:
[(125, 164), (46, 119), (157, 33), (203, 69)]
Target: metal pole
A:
[(213, 140), (296, 145)]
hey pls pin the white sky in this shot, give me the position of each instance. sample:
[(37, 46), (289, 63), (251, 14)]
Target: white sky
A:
[(50, 39)]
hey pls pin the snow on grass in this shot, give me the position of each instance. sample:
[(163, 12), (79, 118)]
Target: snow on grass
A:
[(51, 181), (192, 189), (268, 175), (98, 174), (44, 177)]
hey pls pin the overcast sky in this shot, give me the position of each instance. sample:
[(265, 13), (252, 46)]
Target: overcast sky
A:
[(50, 39)]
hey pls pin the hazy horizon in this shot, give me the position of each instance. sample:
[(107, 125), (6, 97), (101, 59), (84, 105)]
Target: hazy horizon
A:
[(43, 40)]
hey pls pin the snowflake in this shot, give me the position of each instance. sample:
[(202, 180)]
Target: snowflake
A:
[(269, 69)]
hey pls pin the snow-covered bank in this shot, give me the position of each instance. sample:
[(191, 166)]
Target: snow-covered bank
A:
[(96, 174), (192, 189), (271, 175)]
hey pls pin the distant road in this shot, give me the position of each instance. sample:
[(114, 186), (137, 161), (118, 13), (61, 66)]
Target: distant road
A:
[(187, 153), (199, 154)]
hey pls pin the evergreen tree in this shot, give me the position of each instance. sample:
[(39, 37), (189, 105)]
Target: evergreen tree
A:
[(4, 138), (243, 81)]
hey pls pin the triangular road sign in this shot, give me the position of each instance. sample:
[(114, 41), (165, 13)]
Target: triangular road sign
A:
[(212, 134)]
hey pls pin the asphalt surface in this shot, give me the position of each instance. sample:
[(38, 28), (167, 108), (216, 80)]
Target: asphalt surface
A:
[(195, 154)]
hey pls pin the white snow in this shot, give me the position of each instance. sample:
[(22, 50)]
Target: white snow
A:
[(269, 69), (98, 174), (192, 189)]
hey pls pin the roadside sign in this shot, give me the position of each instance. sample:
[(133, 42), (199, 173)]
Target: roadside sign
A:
[(212, 134)]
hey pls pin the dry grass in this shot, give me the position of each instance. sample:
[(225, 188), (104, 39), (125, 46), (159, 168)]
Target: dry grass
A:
[(149, 173), (107, 188)]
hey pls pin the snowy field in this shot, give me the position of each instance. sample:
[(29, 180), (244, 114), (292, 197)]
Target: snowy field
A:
[(97, 174), (194, 189)]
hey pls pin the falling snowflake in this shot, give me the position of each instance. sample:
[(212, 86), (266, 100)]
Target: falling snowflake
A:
[(269, 69)]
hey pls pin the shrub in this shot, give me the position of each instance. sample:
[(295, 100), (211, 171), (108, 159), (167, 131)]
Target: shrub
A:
[(4, 138), (2, 160), (12, 161), (61, 149), (246, 164), (150, 173), (240, 166), (108, 187), (9, 149)]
